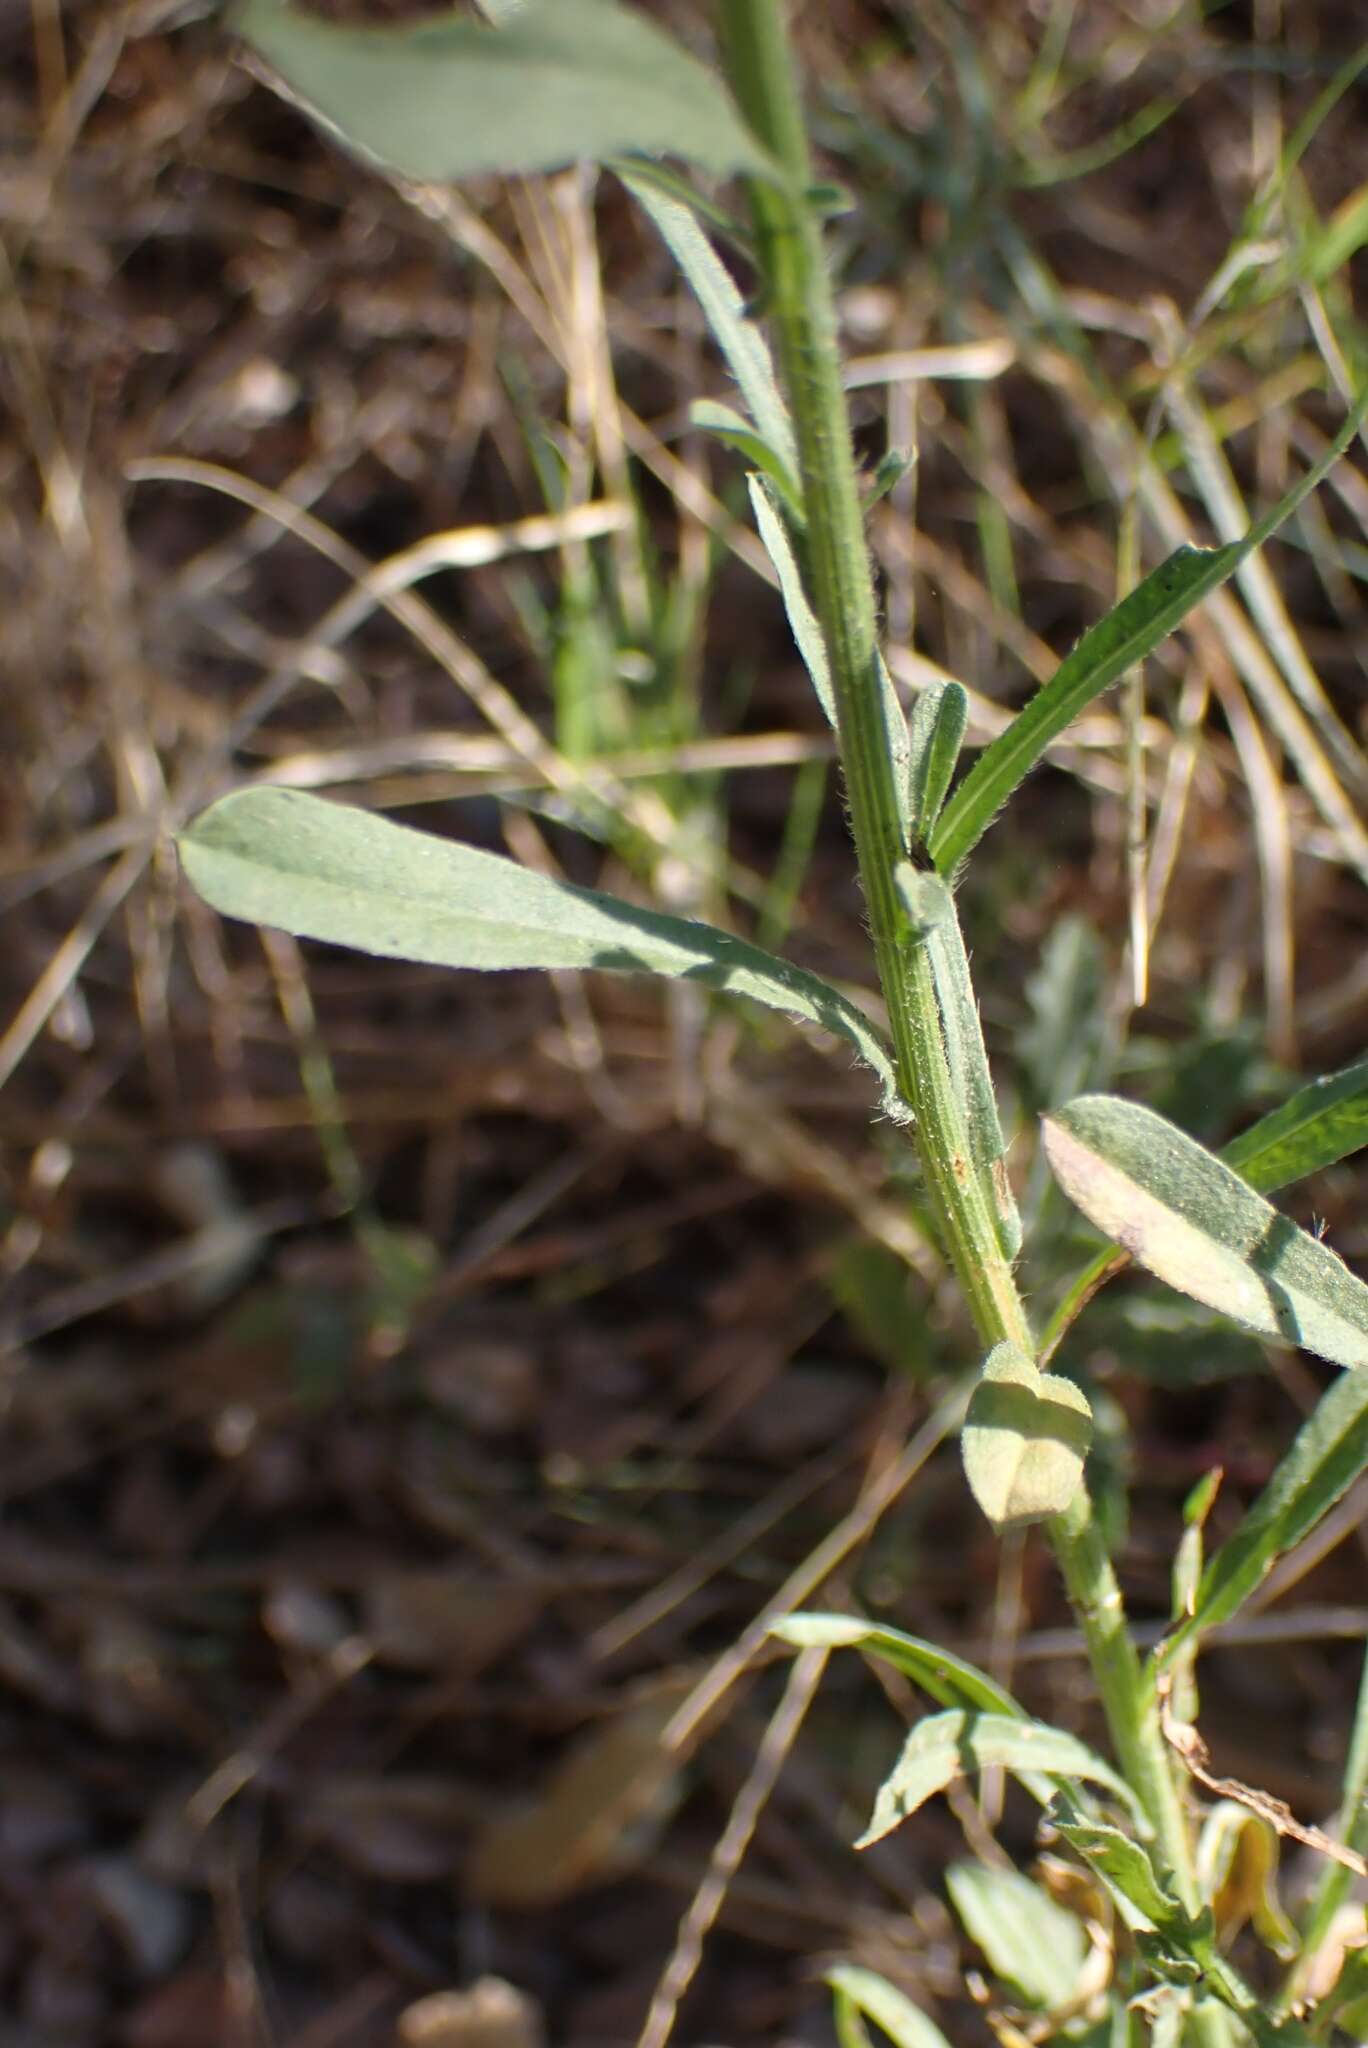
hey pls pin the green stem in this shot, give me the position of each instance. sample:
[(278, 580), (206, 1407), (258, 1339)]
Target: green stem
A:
[(798, 290), (793, 266)]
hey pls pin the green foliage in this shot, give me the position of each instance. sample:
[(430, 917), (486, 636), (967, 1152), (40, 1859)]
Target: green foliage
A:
[(1025, 1438), (1133, 629), (324, 871), (1036, 1947), (1192, 1221), (857, 1992), (945, 1747), (446, 98)]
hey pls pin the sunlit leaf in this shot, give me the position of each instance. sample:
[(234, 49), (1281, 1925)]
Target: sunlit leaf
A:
[(935, 732), (954, 1745), (328, 871), (891, 2010), (1033, 1944), (1128, 633), (947, 1679), (1025, 1439), (743, 346), (1323, 1122), (562, 79), (1196, 1224), (1327, 1455)]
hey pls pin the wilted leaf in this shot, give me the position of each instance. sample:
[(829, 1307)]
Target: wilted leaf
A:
[(591, 1823)]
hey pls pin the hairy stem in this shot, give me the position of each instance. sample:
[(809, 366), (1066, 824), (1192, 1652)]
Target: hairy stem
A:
[(798, 292)]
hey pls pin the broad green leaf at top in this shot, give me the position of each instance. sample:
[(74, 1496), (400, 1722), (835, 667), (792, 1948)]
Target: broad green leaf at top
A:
[(1187, 1217), (1125, 636), (328, 871), (445, 97)]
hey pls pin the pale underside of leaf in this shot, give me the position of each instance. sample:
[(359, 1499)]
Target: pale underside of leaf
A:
[(328, 871), (1196, 1225)]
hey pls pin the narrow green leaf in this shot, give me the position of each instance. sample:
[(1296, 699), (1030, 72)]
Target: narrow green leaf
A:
[(327, 871), (935, 732), (1323, 1122), (728, 425), (890, 2009), (743, 346), (947, 1679), (1032, 1944), (1327, 1455), (1025, 1439), (1192, 1221), (1128, 633), (444, 98), (930, 908), (807, 634), (1124, 1865), (945, 1747)]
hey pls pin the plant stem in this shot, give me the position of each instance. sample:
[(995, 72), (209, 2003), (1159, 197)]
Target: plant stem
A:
[(798, 289), (793, 266)]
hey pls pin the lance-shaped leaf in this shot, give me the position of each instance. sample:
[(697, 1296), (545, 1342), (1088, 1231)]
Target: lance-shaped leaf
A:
[(562, 79), (730, 426), (857, 1990), (1327, 1455), (1323, 1122), (931, 912), (945, 1747), (947, 1679), (743, 346), (327, 871), (1031, 1942), (1127, 634), (807, 634), (1196, 1224), (935, 733)]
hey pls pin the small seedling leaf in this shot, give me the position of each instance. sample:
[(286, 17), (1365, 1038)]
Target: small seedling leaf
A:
[(1323, 1122), (1125, 636), (892, 2011), (954, 1745), (1188, 1218), (1033, 1944), (444, 98), (1025, 1439), (328, 871)]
